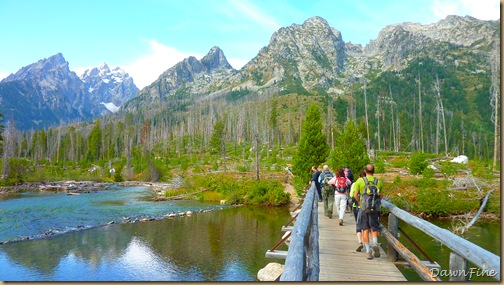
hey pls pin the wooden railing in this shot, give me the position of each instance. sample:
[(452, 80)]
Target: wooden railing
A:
[(462, 250), (302, 262)]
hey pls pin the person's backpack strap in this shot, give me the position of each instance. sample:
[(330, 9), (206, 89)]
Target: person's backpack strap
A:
[(365, 180), (375, 181)]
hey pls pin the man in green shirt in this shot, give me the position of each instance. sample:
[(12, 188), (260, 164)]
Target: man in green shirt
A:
[(369, 221)]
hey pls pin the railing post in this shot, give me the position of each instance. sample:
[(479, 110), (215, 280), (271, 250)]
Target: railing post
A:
[(313, 246), (300, 251), (392, 227), (458, 268)]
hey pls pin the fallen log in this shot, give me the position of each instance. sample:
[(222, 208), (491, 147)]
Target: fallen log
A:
[(483, 205)]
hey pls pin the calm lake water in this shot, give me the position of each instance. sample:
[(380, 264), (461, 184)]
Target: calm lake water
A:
[(227, 244), (484, 234)]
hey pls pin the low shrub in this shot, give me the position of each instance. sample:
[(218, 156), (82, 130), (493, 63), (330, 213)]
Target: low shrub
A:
[(417, 163), (299, 185), (242, 168), (379, 166), (428, 172), (238, 189), (450, 169)]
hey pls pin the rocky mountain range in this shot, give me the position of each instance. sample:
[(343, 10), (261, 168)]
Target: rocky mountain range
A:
[(48, 93), (303, 58), (189, 76), (311, 58)]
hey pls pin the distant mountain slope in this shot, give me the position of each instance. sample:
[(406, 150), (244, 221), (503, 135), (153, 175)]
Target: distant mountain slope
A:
[(188, 76), (311, 62), (112, 88), (305, 58), (47, 93)]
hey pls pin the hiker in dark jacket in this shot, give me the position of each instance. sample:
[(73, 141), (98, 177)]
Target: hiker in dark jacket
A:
[(315, 177), (327, 191)]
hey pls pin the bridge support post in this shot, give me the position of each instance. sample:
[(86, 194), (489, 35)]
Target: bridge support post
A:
[(313, 246), (393, 228), (458, 268)]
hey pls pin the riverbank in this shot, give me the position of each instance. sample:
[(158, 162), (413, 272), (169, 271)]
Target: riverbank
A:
[(159, 190)]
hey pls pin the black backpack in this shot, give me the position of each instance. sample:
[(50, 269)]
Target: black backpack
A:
[(370, 200)]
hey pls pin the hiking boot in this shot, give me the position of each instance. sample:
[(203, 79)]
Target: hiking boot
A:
[(340, 222), (329, 216), (369, 255), (359, 247), (376, 250)]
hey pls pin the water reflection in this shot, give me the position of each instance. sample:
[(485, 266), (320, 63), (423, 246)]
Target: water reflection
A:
[(225, 245), (484, 234)]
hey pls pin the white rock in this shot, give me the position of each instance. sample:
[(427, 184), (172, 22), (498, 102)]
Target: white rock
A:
[(189, 213), (460, 159), (270, 272), (222, 202), (432, 167)]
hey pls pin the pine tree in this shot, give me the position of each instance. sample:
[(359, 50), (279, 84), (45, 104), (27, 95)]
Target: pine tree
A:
[(95, 141), (350, 149), (217, 137), (313, 148)]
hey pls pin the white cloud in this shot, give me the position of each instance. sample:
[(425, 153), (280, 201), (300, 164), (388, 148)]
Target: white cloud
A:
[(147, 68), (80, 70), (237, 63), (482, 9), (3, 75), (255, 14)]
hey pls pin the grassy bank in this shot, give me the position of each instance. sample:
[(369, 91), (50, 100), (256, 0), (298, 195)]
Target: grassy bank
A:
[(234, 188), (432, 186)]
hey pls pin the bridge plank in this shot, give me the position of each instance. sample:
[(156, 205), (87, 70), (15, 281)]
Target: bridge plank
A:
[(338, 259)]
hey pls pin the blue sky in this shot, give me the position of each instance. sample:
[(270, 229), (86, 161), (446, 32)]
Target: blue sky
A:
[(146, 37)]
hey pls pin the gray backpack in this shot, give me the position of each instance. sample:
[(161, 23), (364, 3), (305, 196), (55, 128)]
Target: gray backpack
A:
[(370, 200), (325, 179)]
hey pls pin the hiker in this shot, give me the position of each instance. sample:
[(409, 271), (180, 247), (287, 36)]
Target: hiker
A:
[(368, 191), (349, 176), (355, 209), (340, 183), (327, 191), (350, 173), (315, 177)]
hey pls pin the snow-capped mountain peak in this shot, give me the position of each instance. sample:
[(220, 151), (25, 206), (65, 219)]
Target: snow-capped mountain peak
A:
[(104, 85)]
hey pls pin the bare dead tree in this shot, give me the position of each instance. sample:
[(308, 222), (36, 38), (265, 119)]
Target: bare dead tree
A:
[(495, 97), (392, 103), (368, 142), (420, 120), (377, 116), (440, 110), (9, 147)]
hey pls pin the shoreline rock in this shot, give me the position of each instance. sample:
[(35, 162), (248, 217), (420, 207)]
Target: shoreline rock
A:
[(125, 220)]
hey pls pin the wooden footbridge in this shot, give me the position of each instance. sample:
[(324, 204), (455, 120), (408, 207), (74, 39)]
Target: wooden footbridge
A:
[(321, 250)]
